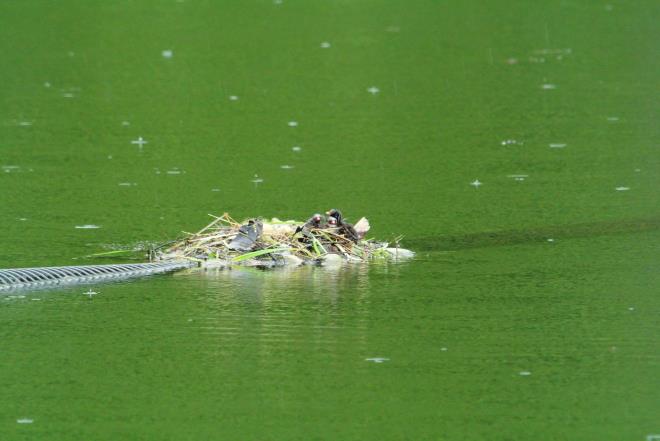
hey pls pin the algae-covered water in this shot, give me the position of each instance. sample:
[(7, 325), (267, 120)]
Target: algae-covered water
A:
[(513, 144)]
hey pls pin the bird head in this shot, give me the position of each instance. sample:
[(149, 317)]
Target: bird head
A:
[(334, 213)]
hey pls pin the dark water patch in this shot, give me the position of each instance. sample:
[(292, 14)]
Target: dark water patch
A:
[(542, 234)]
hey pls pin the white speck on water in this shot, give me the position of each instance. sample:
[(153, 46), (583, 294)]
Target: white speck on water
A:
[(24, 421), (125, 123), (286, 167), (524, 373), (233, 98), (518, 177), (553, 51), (377, 359), (90, 293), (325, 45), (87, 227), (631, 309), (296, 148), (557, 145), (10, 168), (443, 349), (637, 170), (511, 61), (23, 219), (612, 118), (215, 189), (548, 86), (174, 172), (167, 53), (511, 142), (622, 188), (109, 156), (293, 123), (476, 183), (35, 300), (551, 240), (127, 184), (25, 123), (139, 142), (257, 180), (47, 84), (373, 90)]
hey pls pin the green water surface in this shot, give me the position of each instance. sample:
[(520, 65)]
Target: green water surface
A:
[(514, 144)]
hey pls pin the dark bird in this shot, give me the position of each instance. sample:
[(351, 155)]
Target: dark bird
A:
[(345, 228), (312, 222), (247, 236)]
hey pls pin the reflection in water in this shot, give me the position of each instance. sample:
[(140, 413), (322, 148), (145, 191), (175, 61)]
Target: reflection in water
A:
[(269, 310)]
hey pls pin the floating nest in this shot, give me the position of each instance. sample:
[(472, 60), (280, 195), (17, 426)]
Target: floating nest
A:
[(255, 242)]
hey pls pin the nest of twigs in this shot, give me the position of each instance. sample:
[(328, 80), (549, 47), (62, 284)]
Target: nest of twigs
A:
[(278, 242)]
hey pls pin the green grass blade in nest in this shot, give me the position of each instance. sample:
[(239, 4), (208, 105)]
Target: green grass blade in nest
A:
[(318, 247), (258, 253)]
